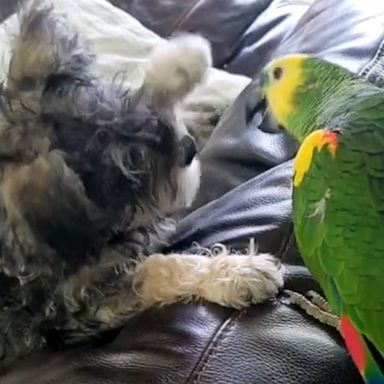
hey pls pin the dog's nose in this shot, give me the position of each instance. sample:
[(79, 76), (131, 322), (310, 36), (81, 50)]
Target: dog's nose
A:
[(188, 150)]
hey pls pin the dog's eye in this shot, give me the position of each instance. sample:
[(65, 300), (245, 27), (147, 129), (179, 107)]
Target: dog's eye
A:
[(27, 83), (57, 84), (103, 137)]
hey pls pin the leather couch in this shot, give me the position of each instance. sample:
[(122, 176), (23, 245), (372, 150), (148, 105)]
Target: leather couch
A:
[(245, 193)]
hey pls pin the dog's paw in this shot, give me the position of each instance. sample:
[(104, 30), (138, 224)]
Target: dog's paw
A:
[(236, 281), (176, 66)]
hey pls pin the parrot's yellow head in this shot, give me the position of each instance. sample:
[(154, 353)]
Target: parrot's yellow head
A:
[(302, 91), (280, 81)]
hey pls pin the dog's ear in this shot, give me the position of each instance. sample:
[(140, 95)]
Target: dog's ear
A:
[(44, 50), (46, 56), (175, 67), (46, 200), (43, 199)]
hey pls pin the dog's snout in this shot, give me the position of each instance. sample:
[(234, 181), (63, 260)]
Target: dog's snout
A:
[(188, 150)]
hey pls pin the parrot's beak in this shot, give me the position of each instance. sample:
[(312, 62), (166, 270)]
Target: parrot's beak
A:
[(258, 92), (268, 123)]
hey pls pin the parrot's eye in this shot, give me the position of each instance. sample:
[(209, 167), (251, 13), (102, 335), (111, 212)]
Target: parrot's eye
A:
[(277, 73)]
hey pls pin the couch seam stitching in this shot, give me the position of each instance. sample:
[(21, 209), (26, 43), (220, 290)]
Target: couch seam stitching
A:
[(368, 69), (211, 349), (238, 43), (183, 16), (287, 243)]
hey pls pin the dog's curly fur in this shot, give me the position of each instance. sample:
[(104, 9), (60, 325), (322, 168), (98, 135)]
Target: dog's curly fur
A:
[(88, 175)]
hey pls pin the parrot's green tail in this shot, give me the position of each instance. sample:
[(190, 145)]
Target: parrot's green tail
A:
[(374, 372), (369, 361)]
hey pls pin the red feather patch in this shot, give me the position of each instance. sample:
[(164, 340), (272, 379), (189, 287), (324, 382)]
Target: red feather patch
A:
[(331, 138), (354, 343)]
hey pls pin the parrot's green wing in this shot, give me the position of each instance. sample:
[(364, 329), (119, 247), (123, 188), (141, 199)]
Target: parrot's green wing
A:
[(338, 191), (339, 215)]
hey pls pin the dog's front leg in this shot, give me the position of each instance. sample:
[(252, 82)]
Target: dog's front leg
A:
[(102, 297), (230, 280)]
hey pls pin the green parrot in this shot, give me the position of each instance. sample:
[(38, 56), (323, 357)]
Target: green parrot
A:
[(338, 192)]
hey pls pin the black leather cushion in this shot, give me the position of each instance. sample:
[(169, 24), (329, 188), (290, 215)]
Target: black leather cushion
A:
[(6, 8), (238, 150), (202, 344)]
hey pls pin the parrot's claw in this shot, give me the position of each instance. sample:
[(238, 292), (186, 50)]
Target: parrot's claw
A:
[(319, 301), (316, 307)]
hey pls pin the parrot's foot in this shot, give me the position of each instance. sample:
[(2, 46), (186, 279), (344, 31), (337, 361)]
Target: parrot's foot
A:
[(315, 307), (319, 301)]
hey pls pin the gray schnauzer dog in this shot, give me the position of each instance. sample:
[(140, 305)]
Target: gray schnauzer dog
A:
[(89, 174)]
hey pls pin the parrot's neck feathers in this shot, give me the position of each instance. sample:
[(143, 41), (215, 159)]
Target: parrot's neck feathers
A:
[(331, 111)]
